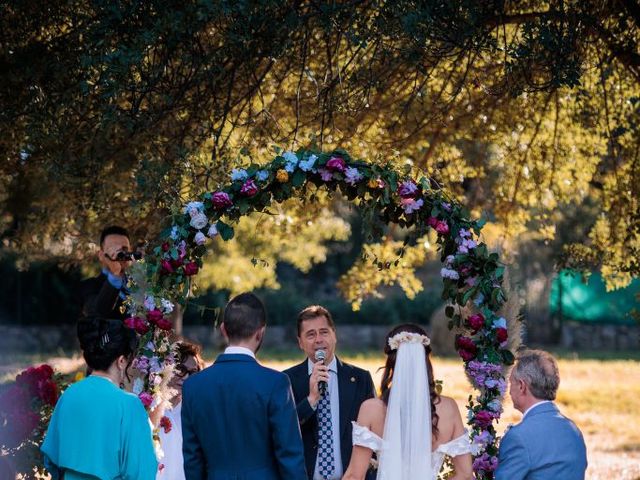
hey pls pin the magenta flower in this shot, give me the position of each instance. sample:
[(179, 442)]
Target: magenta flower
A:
[(154, 315), (336, 164), (146, 399), (483, 418), (502, 335), (249, 189), (190, 268), (166, 267), (221, 200), (476, 321), (138, 324), (442, 228)]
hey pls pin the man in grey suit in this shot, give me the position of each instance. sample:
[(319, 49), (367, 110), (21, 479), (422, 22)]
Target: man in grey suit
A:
[(545, 445)]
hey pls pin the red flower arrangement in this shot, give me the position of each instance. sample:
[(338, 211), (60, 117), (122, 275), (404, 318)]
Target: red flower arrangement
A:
[(25, 410)]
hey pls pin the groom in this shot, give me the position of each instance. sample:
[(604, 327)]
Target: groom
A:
[(238, 418), (545, 445)]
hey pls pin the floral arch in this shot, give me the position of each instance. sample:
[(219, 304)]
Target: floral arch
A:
[(472, 275)]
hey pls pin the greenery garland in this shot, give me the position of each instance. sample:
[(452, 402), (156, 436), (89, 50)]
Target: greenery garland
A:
[(472, 275)]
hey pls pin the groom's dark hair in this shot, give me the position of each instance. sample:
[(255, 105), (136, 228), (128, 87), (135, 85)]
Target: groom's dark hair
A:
[(243, 316)]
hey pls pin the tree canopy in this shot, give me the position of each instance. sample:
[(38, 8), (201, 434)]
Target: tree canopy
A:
[(117, 111)]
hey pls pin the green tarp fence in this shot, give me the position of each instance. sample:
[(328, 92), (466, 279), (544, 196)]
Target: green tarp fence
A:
[(572, 299)]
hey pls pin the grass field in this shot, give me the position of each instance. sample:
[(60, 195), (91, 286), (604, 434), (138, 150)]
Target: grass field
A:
[(600, 392)]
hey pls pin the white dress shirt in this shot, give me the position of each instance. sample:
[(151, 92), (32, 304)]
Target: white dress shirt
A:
[(240, 350), (172, 447), (534, 406), (334, 398)]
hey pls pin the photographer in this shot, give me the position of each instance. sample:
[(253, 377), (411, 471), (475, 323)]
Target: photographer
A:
[(104, 295)]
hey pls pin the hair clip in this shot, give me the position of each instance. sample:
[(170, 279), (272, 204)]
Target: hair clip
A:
[(104, 339)]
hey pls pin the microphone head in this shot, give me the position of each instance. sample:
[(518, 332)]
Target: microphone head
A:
[(320, 355)]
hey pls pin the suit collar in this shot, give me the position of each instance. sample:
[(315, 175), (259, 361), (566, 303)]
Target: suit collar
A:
[(234, 357), (541, 408)]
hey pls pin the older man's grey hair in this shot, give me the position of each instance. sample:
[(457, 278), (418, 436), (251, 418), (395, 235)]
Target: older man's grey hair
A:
[(539, 370)]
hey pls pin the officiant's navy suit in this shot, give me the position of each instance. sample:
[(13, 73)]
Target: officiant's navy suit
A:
[(239, 423), (545, 445), (354, 387)]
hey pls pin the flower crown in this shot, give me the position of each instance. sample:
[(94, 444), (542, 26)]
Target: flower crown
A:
[(408, 337)]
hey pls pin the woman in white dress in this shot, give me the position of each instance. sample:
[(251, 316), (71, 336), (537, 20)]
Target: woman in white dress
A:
[(411, 428)]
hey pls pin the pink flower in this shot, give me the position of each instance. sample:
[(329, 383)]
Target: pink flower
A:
[(476, 321), (190, 268), (407, 189), (221, 200), (249, 189), (336, 164), (442, 228), (146, 399), (411, 205)]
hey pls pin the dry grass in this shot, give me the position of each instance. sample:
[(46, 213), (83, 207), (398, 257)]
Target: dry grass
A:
[(601, 396)]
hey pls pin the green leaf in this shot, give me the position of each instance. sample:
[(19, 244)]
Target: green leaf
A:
[(299, 178), (449, 311), (226, 231), (508, 357)]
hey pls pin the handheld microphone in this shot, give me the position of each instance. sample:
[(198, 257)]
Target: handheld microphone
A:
[(320, 357)]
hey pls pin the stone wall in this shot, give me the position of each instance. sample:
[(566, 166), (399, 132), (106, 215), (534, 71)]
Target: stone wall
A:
[(580, 336)]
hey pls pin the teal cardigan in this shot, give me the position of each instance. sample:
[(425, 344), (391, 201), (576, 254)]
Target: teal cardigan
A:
[(99, 431)]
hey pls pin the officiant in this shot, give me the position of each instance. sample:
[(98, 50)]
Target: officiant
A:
[(328, 395)]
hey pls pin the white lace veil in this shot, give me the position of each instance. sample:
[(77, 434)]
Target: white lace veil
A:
[(406, 454)]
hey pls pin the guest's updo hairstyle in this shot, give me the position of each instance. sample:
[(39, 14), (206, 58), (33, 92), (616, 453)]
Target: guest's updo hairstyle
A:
[(103, 340), (387, 375)]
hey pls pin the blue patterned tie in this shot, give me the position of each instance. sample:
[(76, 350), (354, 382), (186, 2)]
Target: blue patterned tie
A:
[(326, 467)]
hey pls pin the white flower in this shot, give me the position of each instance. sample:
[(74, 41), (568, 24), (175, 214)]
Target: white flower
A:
[(307, 165), (167, 306), (500, 323), (352, 176), (174, 233), (137, 387), (449, 260), (193, 208), (239, 174), (448, 273), (408, 337), (262, 175), (199, 221), (213, 231), (200, 238), (149, 302)]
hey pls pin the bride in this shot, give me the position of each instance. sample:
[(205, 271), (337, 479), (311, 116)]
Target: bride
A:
[(411, 428)]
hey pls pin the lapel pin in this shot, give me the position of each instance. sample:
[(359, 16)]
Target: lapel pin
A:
[(353, 379)]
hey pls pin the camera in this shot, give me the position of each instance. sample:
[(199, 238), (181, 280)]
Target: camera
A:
[(125, 256)]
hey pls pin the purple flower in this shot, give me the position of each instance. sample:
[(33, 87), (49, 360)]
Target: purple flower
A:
[(352, 175), (449, 273), (485, 462), (249, 189), (446, 206), (221, 200), (336, 164), (325, 174), (407, 188), (411, 205)]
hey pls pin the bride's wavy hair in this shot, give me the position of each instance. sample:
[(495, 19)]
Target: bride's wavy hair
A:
[(387, 374)]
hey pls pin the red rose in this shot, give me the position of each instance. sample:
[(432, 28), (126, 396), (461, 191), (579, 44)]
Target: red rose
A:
[(44, 371), (475, 322), (175, 264), (466, 348), (432, 222), (191, 268), (166, 267), (164, 324), (165, 424), (483, 418), (221, 200), (165, 247), (138, 324), (502, 334), (466, 355), (336, 164), (154, 316), (48, 392)]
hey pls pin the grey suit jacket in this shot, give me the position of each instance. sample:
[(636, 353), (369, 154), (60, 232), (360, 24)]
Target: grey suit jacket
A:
[(545, 445)]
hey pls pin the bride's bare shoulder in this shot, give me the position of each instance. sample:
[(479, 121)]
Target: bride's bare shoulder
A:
[(373, 406), (447, 407)]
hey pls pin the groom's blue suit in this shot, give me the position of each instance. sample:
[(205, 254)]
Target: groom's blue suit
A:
[(545, 445), (239, 422)]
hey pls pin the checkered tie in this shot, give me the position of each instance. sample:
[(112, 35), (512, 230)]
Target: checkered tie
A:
[(326, 467)]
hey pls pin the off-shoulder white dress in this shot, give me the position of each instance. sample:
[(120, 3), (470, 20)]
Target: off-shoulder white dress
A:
[(364, 437)]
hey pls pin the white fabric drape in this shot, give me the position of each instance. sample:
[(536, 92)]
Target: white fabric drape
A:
[(407, 430)]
